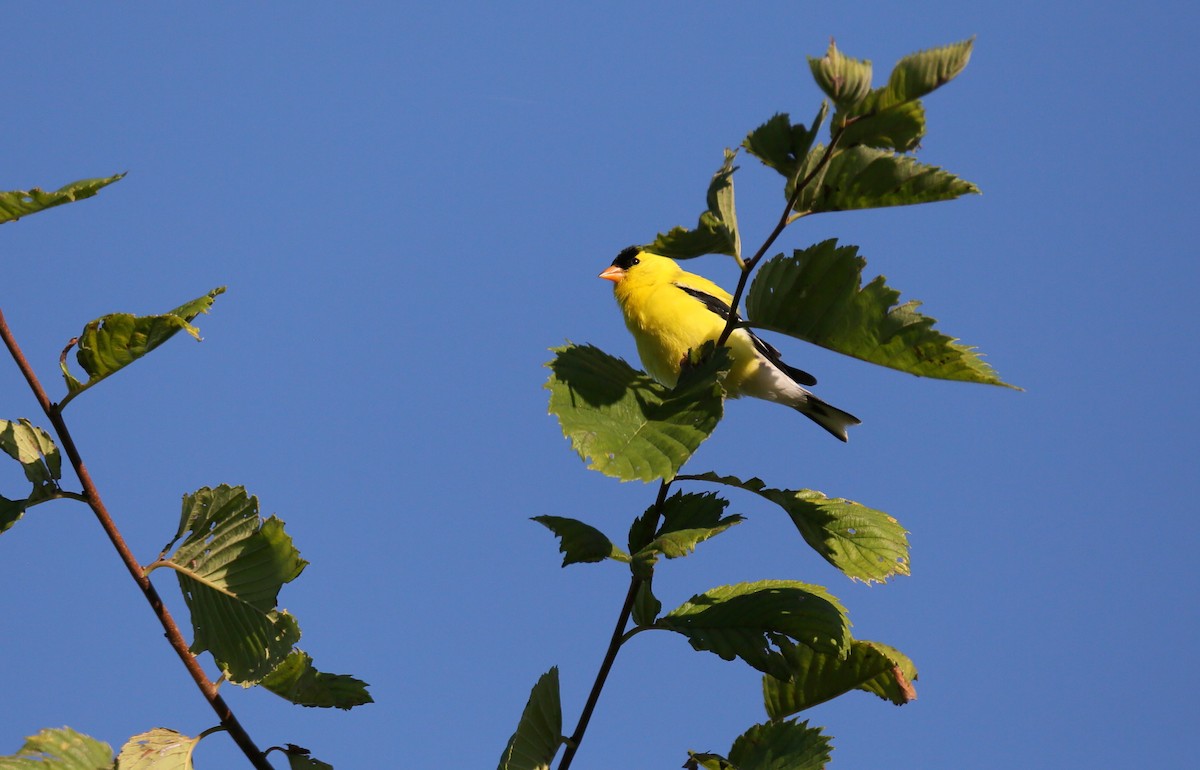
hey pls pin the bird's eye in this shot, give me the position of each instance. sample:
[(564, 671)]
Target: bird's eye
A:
[(635, 261)]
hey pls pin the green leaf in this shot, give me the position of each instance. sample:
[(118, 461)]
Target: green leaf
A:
[(891, 117), (844, 80), (781, 746), (688, 520), (817, 295), (60, 749), (539, 733), (750, 620), (299, 759), (19, 203), (707, 760), (33, 448), (231, 566), (864, 543), (782, 146), (296, 680), (158, 749), (112, 342), (819, 677), (717, 231), (626, 424), (581, 542), (867, 178), (646, 605)]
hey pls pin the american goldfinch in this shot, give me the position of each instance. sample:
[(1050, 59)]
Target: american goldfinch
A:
[(670, 311)]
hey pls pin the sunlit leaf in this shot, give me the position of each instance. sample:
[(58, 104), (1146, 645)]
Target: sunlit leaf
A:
[(892, 117), (581, 542), (717, 231), (158, 749), (749, 621), (864, 543), (112, 342), (296, 680), (19, 203), (60, 749), (818, 677), (539, 733), (687, 520), (816, 295), (231, 566), (41, 461), (844, 80), (626, 424), (865, 177)]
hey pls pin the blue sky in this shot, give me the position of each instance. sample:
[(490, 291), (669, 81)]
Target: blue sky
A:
[(410, 205)]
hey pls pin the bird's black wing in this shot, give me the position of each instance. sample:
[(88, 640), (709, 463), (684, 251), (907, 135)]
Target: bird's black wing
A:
[(720, 308)]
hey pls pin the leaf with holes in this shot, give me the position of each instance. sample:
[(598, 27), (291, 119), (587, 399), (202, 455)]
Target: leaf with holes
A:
[(158, 749), (19, 203), (112, 342)]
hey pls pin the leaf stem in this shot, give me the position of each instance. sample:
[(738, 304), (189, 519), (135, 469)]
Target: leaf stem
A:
[(614, 645), (92, 496)]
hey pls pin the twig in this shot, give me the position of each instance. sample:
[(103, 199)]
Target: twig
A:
[(92, 496), (614, 644)]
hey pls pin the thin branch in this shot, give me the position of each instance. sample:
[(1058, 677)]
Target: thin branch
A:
[(614, 645), (784, 220), (92, 496)]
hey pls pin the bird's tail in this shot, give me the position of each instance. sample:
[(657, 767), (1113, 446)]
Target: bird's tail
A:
[(827, 416)]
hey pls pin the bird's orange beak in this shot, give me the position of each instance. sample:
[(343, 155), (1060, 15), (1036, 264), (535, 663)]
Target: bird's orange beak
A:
[(612, 273)]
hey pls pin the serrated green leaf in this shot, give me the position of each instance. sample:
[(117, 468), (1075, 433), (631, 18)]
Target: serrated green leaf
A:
[(819, 677), (866, 178), (158, 749), (782, 146), (299, 759), (626, 424), (581, 542), (231, 566), (646, 605), (539, 733), (687, 520), (295, 680), (892, 117), (717, 231), (781, 746), (20, 203), (749, 620), (817, 295), (60, 749), (844, 80), (864, 543), (112, 342)]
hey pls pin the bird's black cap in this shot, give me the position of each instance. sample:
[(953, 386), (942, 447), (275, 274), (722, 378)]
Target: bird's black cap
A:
[(627, 258)]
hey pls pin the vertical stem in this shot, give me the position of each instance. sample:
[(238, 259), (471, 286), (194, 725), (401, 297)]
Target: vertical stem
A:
[(174, 636), (610, 655)]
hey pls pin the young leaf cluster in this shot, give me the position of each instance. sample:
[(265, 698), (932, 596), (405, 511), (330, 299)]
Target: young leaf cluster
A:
[(627, 426), (230, 562)]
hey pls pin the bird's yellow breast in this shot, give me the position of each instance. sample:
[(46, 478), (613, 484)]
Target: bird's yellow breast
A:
[(666, 322)]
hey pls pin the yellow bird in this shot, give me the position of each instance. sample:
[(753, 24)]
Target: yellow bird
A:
[(670, 311)]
